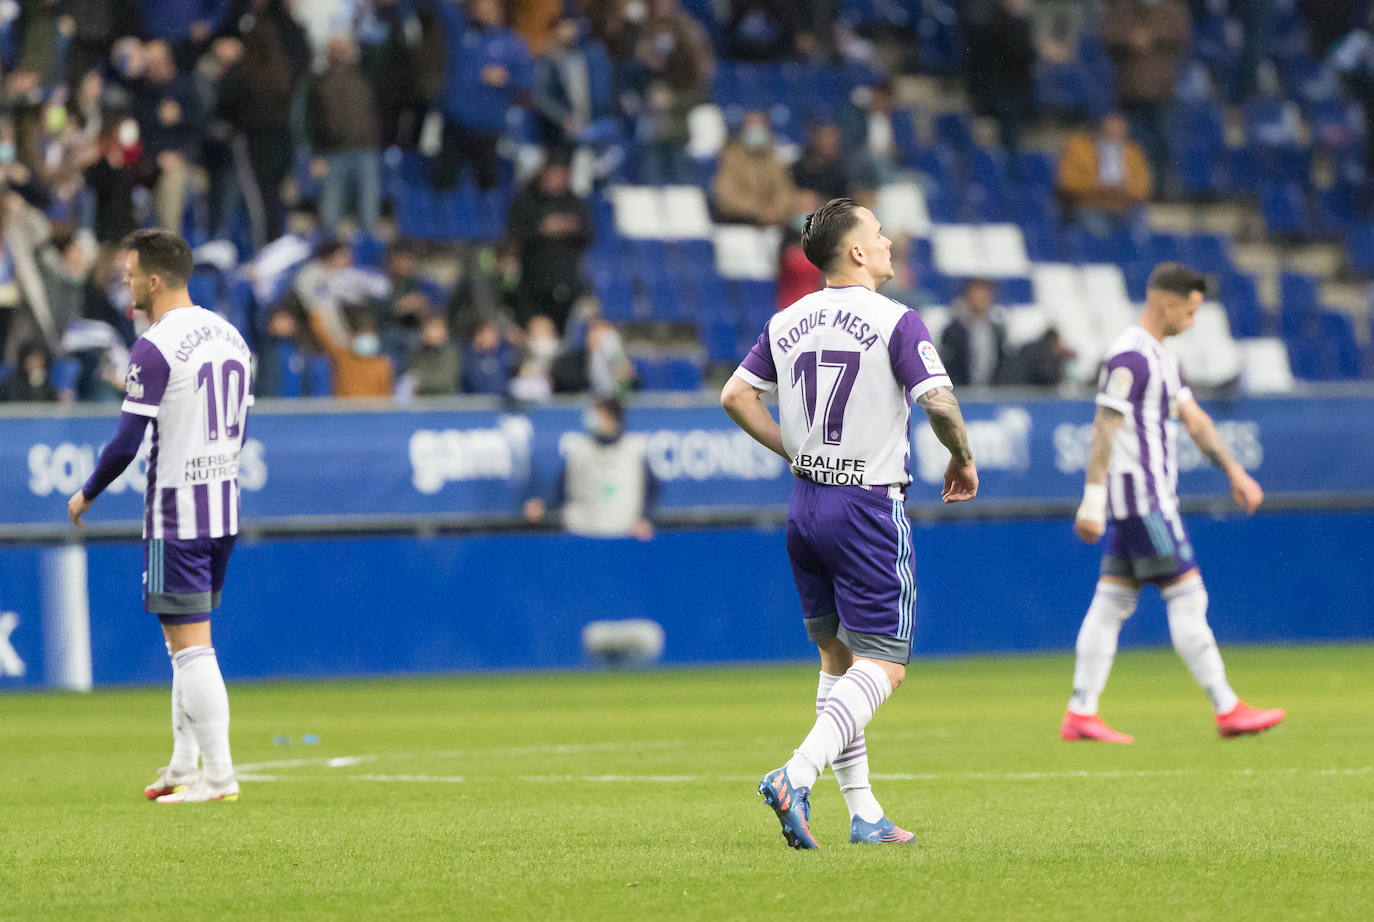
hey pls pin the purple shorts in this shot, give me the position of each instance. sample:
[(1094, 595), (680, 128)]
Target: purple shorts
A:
[(1152, 548), (184, 576), (851, 554)]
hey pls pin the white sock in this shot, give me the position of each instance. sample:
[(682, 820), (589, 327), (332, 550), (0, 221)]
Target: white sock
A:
[(185, 749), (851, 765), (848, 708), (207, 708), (1112, 604), (1186, 603)]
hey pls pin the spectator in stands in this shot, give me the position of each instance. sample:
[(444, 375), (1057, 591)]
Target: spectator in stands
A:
[(751, 185), (112, 178), (65, 262), (606, 488), (1104, 178), (797, 275), (574, 94), (488, 71), (95, 24), (879, 135), (1040, 362), (255, 97), (433, 365), (216, 142), (405, 62), (279, 360), (973, 345), (341, 119), (489, 361), (822, 168), (999, 64), (167, 108), (761, 30), (609, 370), (31, 381), (1147, 39), (673, 55), (187, 23), (548, 228), (351, 341), (400, 321)]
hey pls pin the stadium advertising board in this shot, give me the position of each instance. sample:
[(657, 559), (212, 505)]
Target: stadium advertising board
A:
[(315, 467)]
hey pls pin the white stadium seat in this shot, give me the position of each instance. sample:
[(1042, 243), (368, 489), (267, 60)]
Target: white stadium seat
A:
[(1109, 305), (1003, 250), (685, 213), (638, 212), (1059, 292), (955, 248), (936, 317), (1264, 366), (747, 252), (1025, 324), (706, 132), (901, 207), (1207, 353)]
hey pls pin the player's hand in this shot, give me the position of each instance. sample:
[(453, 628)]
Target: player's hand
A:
[(1245, 490), (1087, 529), (77, 506), (961, 481)]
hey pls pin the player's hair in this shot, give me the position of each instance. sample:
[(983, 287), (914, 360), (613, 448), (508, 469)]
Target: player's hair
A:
[(1176, 279), (162, 253), (612, 408), (825, 229)]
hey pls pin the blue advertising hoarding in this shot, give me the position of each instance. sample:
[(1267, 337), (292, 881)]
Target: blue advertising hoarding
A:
[(455, 464)]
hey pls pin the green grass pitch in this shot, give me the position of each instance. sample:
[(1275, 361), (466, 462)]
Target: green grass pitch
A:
[(631, 796)]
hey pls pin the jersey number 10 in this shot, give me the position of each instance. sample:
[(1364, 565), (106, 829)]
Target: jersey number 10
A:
[(235, 387), (806, 369)]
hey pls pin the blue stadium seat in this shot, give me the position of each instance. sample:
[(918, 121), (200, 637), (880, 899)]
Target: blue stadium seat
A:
[(64, 374), (319, 377), (952, 130), (205, 286), (1015, 291), (1284, 208), (666, 301), (1037, 169), (1208, 253), (1165, 248), (722, 341), (1240, 296), (668, 374), (1137, 275), (1359, 247), (616, 297), (1324, 348), (1299, 301)]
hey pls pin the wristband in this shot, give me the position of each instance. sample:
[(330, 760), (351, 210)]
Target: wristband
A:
[(1094, 505)]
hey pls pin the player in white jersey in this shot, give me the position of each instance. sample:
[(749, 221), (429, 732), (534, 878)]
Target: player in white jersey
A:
[(1132, 480), (846, 363), (189, 382)]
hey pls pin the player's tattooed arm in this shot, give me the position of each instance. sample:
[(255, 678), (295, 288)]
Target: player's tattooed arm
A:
[(1205, 435), (1247, 493), (744, 404), (1105, 424), (947, 422)]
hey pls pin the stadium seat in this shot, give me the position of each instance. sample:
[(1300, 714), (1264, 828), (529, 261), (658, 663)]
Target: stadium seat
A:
[(668, 373), (1299, 300), (902, 208), (1264, 366), (747, 252), (957, 250), (1284, 207), (1359, 247), (319, 377), (1240, 297), (1025, 324), (1207, 253), (65, 374), (638, 212), (1003, 251), (1206, 352), (686, 215), (1015, 290), (706, 132), (1104, 290), (936, 317)]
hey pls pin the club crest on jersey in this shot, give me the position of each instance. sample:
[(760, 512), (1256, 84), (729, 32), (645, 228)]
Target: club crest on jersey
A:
[(132, 386), (930, 357)]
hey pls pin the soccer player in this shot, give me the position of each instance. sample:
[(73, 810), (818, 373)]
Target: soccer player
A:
[(1132, 481), (188, 380), (846, 361)]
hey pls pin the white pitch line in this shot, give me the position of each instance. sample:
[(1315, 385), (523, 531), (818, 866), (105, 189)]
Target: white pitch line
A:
[(245, 775)]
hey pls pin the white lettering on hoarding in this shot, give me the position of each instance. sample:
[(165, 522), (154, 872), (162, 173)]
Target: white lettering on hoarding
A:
[(1073, 444), (1001, 444), (10, 663), (445, 456), (64, 467)]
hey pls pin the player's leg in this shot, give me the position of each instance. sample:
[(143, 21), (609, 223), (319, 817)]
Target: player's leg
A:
[(851, 765), (865, 541), (184, 765), (1113, 602), (1185, 599), (193, 578)]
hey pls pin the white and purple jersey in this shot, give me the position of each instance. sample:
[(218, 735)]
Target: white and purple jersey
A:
[(189, 374), (846, 363), (1142, 381)]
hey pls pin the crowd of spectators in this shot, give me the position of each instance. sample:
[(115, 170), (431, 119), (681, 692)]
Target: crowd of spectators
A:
[(231, 119)]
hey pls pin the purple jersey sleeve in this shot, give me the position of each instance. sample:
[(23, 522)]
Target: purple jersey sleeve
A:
[(1121, 385), (121, 450), (145, 380), (758, 368), (915, 363)]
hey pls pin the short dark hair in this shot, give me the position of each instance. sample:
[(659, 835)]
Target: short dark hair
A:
[(612, 408), (1176, 279), (825, 229), (162, 253)]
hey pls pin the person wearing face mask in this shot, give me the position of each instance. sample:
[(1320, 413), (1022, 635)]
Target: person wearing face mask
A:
[(606, 488), (30, 382), (752, 186), (359, 368)]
